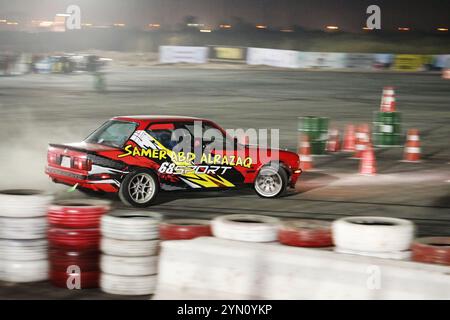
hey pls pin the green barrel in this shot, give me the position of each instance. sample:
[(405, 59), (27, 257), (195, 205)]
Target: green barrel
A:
[(387, 129), (386, 140), (318, 147), (316, 128), (379, 127), (388, 117)]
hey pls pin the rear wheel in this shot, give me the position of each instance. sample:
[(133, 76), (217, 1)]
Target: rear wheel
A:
[(271, 181), (139, 188)]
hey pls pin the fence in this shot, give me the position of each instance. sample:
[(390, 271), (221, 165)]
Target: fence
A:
[(303, 60)]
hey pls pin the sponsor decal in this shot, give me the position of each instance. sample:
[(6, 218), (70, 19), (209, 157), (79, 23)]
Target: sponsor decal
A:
[(172, 168), (207, 174), (188, 157)]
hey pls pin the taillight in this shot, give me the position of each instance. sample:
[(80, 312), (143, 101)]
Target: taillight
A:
[(52, 158), (88, 165), (82, 164)]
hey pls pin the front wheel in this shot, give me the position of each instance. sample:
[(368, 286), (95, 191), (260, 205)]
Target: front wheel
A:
[(271, 182), (139, 188)]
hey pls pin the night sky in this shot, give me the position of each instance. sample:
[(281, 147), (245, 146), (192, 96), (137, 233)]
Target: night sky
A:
[(314, 14)]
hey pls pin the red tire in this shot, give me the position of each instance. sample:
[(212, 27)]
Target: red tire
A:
[(77, 239), (61, 259), (431, 250), (79, 214), (306, 233), (184, 229), (88, 280)]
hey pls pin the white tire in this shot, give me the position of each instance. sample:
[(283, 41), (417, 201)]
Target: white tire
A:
[(23, 250), (373, 234), (245, 227), (129, 248), (129, 266), (25, 271), (131, 225), (396, 255), (24, 203), (128, 286), (23, 228)]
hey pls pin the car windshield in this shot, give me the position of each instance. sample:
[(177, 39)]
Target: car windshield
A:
[(113, 133)]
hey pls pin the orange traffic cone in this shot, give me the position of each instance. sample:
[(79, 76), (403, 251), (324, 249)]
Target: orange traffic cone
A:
[(333, 143), (362, 140), (388, 100), (446, 74), (305, 154), (412, 146), (349, 139), (367, 165)]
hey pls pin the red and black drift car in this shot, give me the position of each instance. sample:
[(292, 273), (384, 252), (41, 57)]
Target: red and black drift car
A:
[(137, 156)]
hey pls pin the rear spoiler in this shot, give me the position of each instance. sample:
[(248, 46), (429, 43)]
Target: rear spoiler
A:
[(63, 146)]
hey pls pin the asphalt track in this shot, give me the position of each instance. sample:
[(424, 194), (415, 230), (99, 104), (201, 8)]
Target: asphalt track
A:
[(37, 109)]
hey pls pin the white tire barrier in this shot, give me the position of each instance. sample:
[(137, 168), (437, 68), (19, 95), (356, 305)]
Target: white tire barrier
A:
[(24, 203), (128, 248), (131, 225), (129, 266), (25, 271), (395, 255), (23, 250), (244, 227), (212, 268), (130, 244), (23, 228), (373, 235), (126, 285)]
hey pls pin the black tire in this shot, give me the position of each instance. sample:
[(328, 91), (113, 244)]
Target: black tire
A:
[(282, 176), (125, 193)]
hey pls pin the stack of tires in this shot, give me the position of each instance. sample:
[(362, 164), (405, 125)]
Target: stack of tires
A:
[(74, 242), (381, 237), (184, 229), (130, 245), (387, 129), (23, 224), (316, 128)]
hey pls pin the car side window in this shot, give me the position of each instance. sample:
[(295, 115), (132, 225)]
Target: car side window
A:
[(162, 132), (112, 133), (211, 135), (215, 138)]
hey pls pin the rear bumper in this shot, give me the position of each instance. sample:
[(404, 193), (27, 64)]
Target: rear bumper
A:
[(72, 178)]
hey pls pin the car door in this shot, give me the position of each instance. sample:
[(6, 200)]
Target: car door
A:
[(195, 162), (184, 164), (221, 150)]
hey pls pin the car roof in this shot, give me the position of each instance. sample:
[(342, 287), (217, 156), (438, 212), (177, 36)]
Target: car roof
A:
[(156, 117)]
